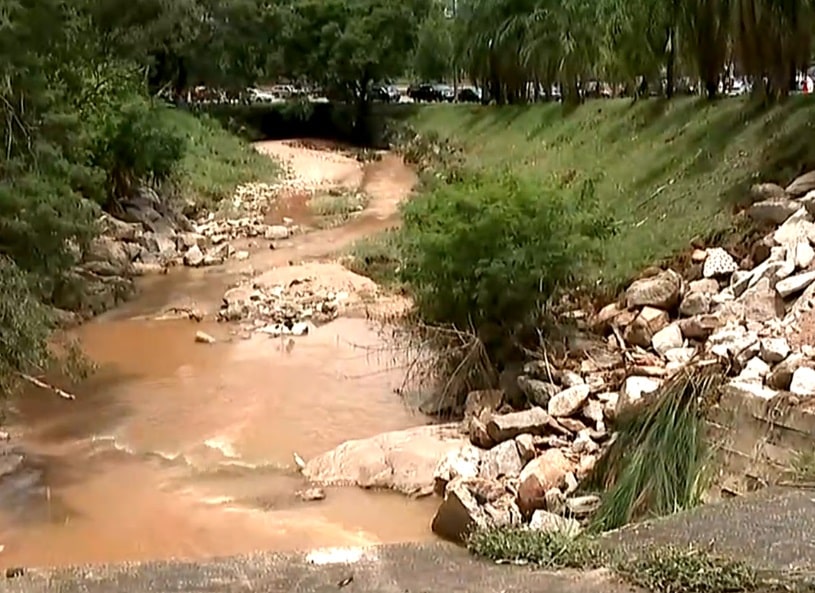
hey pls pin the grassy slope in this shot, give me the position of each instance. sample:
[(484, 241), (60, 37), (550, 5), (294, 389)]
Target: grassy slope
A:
[(669, 171), (216, 161)]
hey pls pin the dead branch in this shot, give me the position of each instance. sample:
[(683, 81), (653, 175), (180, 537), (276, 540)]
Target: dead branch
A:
[(43, 385)]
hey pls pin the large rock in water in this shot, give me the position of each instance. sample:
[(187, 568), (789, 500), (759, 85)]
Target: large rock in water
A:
[(404, 460)]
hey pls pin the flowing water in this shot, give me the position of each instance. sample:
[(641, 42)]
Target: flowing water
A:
[(175, 449)]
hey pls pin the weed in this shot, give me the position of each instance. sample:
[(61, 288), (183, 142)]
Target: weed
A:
[(378, 257), (550, 550), (338, 205), (802, 466), (658, 462), (672, 569)]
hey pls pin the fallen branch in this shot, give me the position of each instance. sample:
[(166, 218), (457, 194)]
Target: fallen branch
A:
[(43, 385)]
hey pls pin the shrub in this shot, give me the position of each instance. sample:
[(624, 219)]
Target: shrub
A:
[(551, 550), (487, 251), (137, 144)]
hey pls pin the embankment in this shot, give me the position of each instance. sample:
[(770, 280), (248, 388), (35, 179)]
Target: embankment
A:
[(669, 171)]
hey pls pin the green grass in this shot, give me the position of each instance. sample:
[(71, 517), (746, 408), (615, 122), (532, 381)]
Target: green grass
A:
[(663, 569), (378, 257), (338, 206), (668, 171), (216, 161)]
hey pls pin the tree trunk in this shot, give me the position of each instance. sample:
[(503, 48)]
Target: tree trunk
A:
[(361, 135), (711, 87), (670, 74)]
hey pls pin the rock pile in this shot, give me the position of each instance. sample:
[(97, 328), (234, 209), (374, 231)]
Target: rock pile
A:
[(758, 314), (523, 467)]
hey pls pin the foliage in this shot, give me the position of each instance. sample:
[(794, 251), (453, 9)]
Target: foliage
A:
[(688, 570), (504, 45), (137, 145), (487, 251), (658, 461), (434, 55), (667, 171), (549, 550), (378, 257)]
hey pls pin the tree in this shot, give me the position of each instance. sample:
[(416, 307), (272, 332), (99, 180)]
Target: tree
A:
[(433, 59), (347, 45)]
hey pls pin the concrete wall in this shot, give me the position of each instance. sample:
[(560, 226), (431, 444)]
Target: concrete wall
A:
[(757, 440)]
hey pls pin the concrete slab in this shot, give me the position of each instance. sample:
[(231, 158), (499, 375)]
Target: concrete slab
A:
[(406, 568), (773, 528)]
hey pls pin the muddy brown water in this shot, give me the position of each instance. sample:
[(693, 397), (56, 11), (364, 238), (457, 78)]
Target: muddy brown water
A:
[(176, 449)]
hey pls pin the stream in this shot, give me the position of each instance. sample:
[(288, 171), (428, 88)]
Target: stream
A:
[(174, 449)]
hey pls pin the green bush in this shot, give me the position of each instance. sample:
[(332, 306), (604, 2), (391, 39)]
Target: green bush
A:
[(488, 251), (135, 145)]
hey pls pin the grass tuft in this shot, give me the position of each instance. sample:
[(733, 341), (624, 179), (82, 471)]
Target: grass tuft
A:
[(551, 550), (378, 257), (659, 460), (688, 570), (338, 205)]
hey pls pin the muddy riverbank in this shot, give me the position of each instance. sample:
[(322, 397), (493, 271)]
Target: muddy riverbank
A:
[(179, 449)]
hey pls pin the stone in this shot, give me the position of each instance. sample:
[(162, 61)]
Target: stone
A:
[(301, 328), (660, 291), (808, 202), (754, 371), (583, 506), (798, 227), (718, 263), (774, 350), (119, 229), (276, 232), (803, 382), (633, 390), (503, 460), (508, 426), (474, 504), (706, 286), (753, 389), (759, 303), (526, 447), (804, 255), (479, 435), (538, 393), (540, 475), (647, 323), (204, 338), (311, 494), (185, 241), (463, 462), (699, 327), (734, 340), (241, 255), (773, 210), (794, 284), (767, 191), (667, 338), (404, 461), (584, 444), (802, 185), (193, 257), (547, 522), (698, 256), (695, 303), (602, 321), (593, 410), (680, 356), (569, 401), (740, 281), (570, 379), (781, 376), (479, 401)]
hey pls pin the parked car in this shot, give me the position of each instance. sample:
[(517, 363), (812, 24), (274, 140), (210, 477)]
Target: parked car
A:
[(423, 92), (469, 94), (445, 92), (386, 94)]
